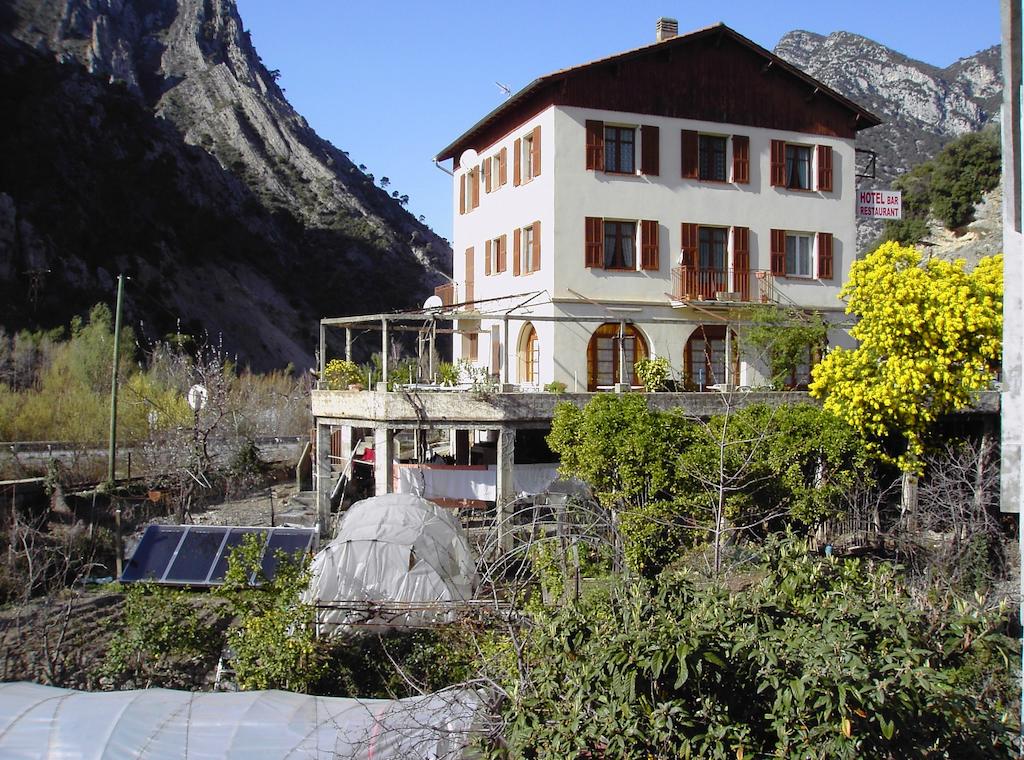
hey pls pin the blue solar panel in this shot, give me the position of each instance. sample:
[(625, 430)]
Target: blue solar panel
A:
[(194, 555)]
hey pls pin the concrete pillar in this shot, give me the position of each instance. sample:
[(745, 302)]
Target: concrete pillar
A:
[(346, 449), (384, 452), (322, 476), (384, 348), (505, 492)]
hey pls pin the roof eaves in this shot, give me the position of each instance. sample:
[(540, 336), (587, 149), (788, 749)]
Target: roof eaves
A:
[(536, 84)]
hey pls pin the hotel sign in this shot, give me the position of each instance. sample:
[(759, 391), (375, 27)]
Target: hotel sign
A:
[(880, 204)]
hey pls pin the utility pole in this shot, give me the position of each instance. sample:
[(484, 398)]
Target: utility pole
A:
[(113, 382)]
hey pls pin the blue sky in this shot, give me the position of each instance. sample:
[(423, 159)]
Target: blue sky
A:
[(394, 81)]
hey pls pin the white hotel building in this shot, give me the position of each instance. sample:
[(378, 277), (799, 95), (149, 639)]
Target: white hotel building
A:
[(637, 205)]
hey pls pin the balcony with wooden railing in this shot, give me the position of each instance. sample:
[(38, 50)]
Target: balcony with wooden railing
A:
[(720, 285)]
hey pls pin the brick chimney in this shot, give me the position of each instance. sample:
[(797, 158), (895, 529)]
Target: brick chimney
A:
[(667, 29)]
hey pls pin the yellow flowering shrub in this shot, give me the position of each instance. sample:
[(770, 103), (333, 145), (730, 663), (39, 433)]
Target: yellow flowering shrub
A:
[(930, 336)]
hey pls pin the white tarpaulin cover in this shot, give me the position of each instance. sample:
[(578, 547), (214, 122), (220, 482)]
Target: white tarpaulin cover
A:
[(394, 559), (433, 481), (46, 722)]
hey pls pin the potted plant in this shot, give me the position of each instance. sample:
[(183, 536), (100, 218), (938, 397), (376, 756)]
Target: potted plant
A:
[(342, 373)]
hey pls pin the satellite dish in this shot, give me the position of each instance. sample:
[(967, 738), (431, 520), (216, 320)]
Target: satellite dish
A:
[(197, 396), (468, 157), (433, 302)]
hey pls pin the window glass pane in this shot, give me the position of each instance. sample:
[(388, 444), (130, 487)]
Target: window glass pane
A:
[(798, 167), (618, 149), (628, 241), (712, 157), (798, 255)]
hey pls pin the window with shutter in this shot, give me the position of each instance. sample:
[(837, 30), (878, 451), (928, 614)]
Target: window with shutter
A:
[(711, 158), (517, 247), (649, 259), (824, 255), (502, 244), (690, 166), (594, 248), (517, 159), (798, 254), (487, 258), (649, 150), (825, 168), (778, 163), (503, 167), (778, 253), (595, 145), (462, 194), (620, 150), (741, 159), (486, 167)]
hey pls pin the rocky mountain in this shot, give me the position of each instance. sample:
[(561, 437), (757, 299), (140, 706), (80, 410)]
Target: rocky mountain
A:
[(146, 136), (923, 106)]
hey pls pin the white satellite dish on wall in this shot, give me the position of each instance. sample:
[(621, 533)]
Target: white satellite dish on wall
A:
[(433, 302), (468, 157)]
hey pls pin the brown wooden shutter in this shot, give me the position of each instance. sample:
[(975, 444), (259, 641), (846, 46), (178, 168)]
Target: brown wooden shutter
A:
[(690, 164), (825, 168), (535, 253), (502, 253), (688, 255), (778, 254), (594, 248), (824, 255), (535, 150), (778, 163), (650, 146), (503, 167), (649, 245), (474, 346), (517, 163), (595, 145), (487, 257), (517, 246), (462, 194), (741, 261), (469, 275), (487, 175), (475, 185), (741, 159)]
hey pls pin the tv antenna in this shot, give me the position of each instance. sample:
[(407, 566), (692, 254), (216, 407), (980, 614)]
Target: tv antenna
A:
[(505, 89)]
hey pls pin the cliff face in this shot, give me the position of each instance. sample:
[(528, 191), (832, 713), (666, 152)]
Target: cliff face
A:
[(167, 103)]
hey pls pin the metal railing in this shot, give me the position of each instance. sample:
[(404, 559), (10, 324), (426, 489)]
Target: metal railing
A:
[(745, 286)]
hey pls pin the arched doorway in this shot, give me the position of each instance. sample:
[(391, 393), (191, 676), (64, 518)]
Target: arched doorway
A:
[(614, 346), (529, 355), (704, 357)]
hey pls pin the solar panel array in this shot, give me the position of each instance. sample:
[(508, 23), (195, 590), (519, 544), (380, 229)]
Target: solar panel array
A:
[(197, 555)]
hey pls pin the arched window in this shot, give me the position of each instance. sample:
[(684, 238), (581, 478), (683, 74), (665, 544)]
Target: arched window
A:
[(529, 356), (612, 347), (704, 357)]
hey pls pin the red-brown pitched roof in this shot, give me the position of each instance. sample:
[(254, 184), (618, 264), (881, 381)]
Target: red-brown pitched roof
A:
[(818, 109)]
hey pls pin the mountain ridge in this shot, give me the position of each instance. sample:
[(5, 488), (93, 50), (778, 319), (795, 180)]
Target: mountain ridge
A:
[(312, 223)]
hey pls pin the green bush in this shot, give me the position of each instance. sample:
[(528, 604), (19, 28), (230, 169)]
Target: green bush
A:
[(653, 373), (340, 373), (806, 658)]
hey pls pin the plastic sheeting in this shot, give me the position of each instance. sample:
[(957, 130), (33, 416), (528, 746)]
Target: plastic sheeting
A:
[(46, 722), (397, 560), (433, 481)]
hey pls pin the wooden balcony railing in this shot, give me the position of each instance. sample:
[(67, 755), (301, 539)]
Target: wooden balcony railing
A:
[(692, 284)]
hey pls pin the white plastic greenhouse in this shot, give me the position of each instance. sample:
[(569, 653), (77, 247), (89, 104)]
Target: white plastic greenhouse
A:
[(46, 722), (397, 560)]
